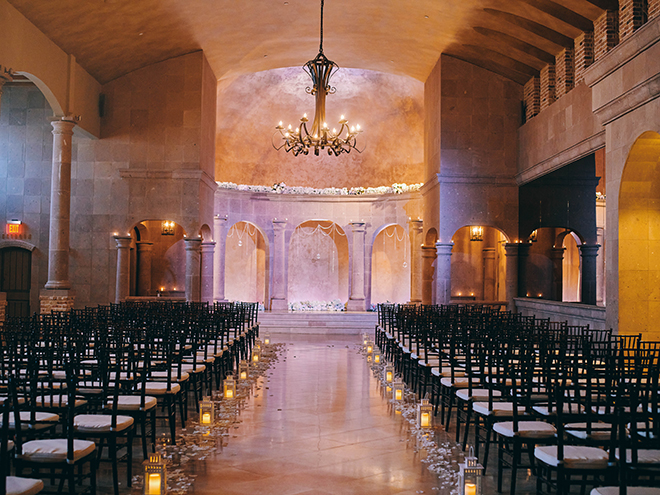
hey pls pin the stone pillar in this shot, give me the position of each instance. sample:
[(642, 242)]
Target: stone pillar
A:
[(3, 305), (278, 301), (532, 97), (443, 272), (490, 274), (600, 268), (193, 269), (207, 252), (122, 284), (654, 9), (584, 54), (5, 77), (60, 206), (144, 268), (547, 81), (415, 229), (523, 254), (428, 257), (511, 288), (356, 300), (219, 226), (557, 257), (564, 72), (632, 15), (606, 33), (588, 255)]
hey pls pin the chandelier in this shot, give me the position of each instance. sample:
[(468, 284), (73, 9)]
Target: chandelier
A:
[(301, 140)]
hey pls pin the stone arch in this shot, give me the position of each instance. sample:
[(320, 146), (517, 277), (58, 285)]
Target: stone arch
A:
[(52, 100), (206, 233), (390, 265), (246, 263), (639, 238)]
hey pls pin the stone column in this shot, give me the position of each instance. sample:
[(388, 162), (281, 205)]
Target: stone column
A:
[(557, 257), (428, 257), (278, 301), (511, 288), (490, 291), (207, 251), (356, 300), (5, 77), (600, 267), (3, 306), (193, 269), (523, 254), (415, 229), (443, 272), (144, 268), (219, 226), (588, 255), (123, 267)]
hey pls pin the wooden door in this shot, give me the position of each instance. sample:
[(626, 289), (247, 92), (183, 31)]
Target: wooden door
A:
[(15, 273)]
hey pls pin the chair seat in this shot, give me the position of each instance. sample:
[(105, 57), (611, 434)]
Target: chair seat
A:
[(55, 450), (23, 486), (476, 393), (526, 429), (58, 401), (162, 375), (544, 411), (446, 372), (160, 388), (575, 457), (499, 409), (644, 456), (600, 432), (459, 382), (43, 420), (191, 368), (132, 402), (631, 490), (100, 423)]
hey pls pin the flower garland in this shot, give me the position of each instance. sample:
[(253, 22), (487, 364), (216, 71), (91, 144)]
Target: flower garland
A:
[(282, 188), (334, 305)]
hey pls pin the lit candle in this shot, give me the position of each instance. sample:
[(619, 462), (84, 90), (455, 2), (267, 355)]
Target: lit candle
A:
[(229, 394), (470, 489), (399, 394), (243, 375), (154, 483), (388, 377), (425, 420), (206, 418), (377, 358)]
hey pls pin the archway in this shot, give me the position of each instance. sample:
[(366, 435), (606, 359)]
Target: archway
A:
[(571, 277), (16, 276), (478, 264), (390, 266), (318, 263), (246, 264), (639, 239)]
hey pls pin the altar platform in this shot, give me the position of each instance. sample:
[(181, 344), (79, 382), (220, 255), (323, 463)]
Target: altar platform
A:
[(318, 322)]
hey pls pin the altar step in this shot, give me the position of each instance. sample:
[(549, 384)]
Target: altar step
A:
[(317, 322)]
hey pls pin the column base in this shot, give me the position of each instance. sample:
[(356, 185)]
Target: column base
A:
[(279, 305), (356, 305), (3, 306), (59, 300)]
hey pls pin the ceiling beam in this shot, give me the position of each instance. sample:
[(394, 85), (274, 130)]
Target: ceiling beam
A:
[(533, 27), (518, 44), (467, 55), (504, 60), (605, 4), (562, 13)]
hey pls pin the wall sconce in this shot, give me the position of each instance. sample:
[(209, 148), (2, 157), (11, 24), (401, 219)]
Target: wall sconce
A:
[(167, 228), (424, 414), (243, 370), (476, 233), (155, 476), (469, 475), (229, 387), (206, 411), (389, 373), (533, 236), (397, 391)]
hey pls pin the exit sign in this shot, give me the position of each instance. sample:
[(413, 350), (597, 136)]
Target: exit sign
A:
[(14, 227)]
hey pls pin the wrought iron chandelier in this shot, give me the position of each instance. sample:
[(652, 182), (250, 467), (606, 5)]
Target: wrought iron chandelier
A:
[(301, 140)]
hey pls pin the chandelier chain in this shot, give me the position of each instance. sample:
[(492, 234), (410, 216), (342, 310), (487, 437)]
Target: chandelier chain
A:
[(321, 43)]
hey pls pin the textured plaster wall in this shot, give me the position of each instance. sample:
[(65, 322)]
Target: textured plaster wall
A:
[(389, 108), (390, 262)]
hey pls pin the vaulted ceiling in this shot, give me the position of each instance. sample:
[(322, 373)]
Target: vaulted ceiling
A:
[(514, 38)]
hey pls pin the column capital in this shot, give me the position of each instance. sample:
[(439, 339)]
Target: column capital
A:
[(589, 250), (208, 246), (428, 251), (63, 126), (279, 224), (557, 253), (123, 241), (219, 220), (511, 249), (192, 244), (358, 226), (417, 224), (444, 248), (523, 248), (144, 245)]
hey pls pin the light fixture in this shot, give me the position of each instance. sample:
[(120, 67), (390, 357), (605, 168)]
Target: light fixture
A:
[(155, 476), (243, 370), (206, 411), (376, 355), (533, 236), (389, 373), (469, 475), (266, 339), (476, 233), (229, 387), (424, 414), (397, 391), (255, 355), (301, 140), (167, 228), (370, 347)]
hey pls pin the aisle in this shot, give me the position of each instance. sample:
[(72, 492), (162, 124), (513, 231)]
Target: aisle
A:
[(318, 425)]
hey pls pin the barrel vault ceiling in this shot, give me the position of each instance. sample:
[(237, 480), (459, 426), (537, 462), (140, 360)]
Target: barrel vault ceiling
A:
[(514, 38)]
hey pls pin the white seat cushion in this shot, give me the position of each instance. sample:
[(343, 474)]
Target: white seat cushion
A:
[(459, 382), (543, 410), (600, 432), (499, 408), (162, 375), (575, 457), (57, 401), (43, 420), (526, 429), (160, 388), (477, 393), (446, 372), (132, 402), (189, 368), (644, 456), (100, 423), (23, 486), (54, 450), (631, 490)]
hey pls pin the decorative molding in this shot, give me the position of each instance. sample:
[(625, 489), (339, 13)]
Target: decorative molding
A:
[(630, 100), (181, 174), (493, 180), (18, 244)]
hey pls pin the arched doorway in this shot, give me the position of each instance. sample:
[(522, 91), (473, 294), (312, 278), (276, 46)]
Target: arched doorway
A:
[(246, 264), (639, 239), (390, 266), (318, 263), (15, 277)]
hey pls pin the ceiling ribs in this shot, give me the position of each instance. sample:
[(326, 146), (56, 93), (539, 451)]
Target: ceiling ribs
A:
[(533, 27), (504, 60), (469, 56), (562, 13), (518, 44), (605, 4)]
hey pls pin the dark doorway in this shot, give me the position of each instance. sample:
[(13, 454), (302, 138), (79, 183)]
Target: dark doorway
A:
[(15, 273)]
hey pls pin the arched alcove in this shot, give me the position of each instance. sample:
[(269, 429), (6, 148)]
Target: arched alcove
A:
[(390, 266), (478, 264), (246, 263), (318, 262), (639, 238), (571, 269)]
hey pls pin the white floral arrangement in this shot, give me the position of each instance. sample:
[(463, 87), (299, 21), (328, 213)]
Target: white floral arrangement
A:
[(282, 188), (600, 196), (334, 305)]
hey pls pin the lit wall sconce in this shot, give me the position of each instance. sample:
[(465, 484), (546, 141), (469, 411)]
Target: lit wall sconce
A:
[(397, 391), (167, 228), (389, 373), (534, 235), (469, 475), (243, 370), (424, 414), (206, 411), (476, 233), (229, 387), (155, 476)]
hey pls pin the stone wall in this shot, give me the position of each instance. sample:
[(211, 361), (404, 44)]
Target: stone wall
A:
[(532, 97), (584, 54), (54, 302), (606, 33), (564, 72), (547, 86), (632, 15), (572, 313)]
